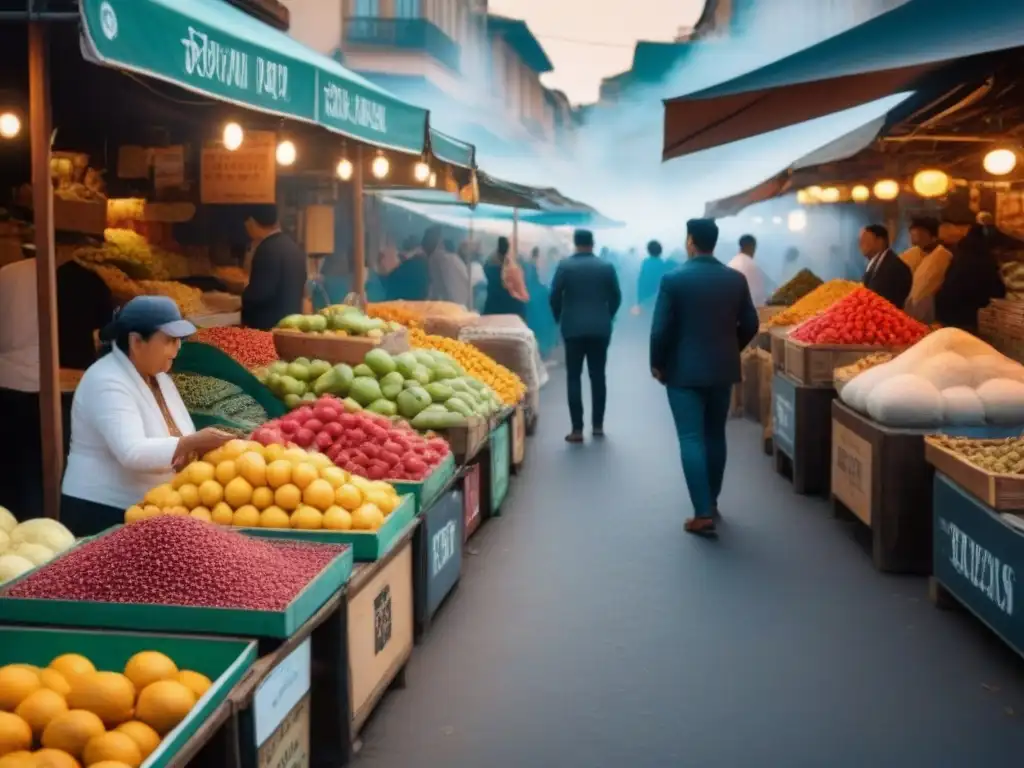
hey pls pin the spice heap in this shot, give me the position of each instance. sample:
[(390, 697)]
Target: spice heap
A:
[(250, 348), (801, 284), (847, 372), (821, 298), (1002, 457), (863, 317), (177, 560), (215, 397), (505, 383), (396, 312)]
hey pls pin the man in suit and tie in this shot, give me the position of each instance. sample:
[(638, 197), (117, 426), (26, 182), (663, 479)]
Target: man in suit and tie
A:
[(886, 274), (585, 296), (703, 317)]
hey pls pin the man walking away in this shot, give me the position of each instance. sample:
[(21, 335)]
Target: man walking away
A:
[(585, 296), (277, 278), (703, 317), (743, 262), (886, 273)]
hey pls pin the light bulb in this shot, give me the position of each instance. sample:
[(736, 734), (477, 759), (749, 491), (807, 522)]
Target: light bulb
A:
[(860, 194), (797, 221), (887, 189), (433, 179), (10, 125), (804, 197), (380, 167), (998, 162), (344, 169), (830, 195), (421, 171), (931, 183), (286, 153), (814, 193), (233, 136)]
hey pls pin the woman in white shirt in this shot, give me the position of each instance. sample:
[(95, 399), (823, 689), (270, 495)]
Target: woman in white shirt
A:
[(130, 429)]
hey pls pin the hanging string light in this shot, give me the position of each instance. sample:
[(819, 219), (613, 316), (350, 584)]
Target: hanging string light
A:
[(286, 153), (381, 166), (830, 195), (998, 162), (233, 136), (860, 194), (421, 172), (344, 169), (931, 183), (10, 125), (887, 189)]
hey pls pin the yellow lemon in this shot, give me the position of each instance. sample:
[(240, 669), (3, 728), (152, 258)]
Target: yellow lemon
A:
[(222, 514), (238, 493), (319, 494), (55, 681), (348, 497), (303, 475), (288, 497), (279, 473), (71, 665), (320, 461), (274, 517), (134, 513), (273, 452), (39, 708), (306, 518), (367, 517), (246, 516), (336, 476), (15, 734), (211, 493), (234, 448), (71, 731), (189, 495), (109, 695), (262, 497), (226, 472), (337, 519), (201, 513), (199, 472), (253, 467), (386, 502)]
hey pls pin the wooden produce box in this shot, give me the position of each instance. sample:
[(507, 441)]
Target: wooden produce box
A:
[(471, 484), (801, 434), (778, 347), (335, 349), (86, 216), (814, 365), (1004, 493), (882, 477), (437, 549), (467, 441), (756, 397), (977, 556)]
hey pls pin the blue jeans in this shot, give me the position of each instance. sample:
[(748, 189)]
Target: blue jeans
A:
[(700, 415)]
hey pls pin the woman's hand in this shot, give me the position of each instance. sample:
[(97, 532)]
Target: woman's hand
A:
[(198, 444)]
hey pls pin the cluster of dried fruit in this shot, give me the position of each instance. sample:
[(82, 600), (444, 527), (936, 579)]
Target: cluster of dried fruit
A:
[(1002, 457)]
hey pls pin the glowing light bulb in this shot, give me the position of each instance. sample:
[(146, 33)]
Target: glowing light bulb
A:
[(887, 189), (433, 179), (421, 171), (381, 166), (10, 125), (998, 162), (344, 169), (804, 197), (233, 136), (797, 221), (931, 183), (860, 194), (830, 195), (286, 153), (814, 193)]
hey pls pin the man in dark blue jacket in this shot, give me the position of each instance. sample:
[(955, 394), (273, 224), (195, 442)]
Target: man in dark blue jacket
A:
[(703, 317), (585, 296)]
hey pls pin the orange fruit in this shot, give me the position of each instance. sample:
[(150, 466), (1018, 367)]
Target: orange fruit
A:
[(199, 472), (147, 667), (303, 475), (15, 734), (225, 472), (17, 683), (232, 449), (295, 456), (319, 494), (39, 708), (179, 511), (115, 746), (180, 479), (238, 493), (71, 665), (307, 518), (367, 518), (253, 467), (320, 461), (158, 495), (164, 704), (145, 738), (279, 473), (189, 495), (385, 501), (201, 513), (53, 758), (71, 731), (262, 497), (198, 683), (337, 519), (273, 452), (222, 514), (288, 497), (151, 510), (215, 457), (348, 497), (211, 493), (110, 695), (274, 517), (55, 681), (336, 476), (134, 513), (246, 516)]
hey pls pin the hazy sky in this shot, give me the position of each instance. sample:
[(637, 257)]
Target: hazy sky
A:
[(619, 23)]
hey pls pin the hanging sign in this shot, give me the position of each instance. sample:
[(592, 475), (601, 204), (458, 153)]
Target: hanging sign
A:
[(246, 175)]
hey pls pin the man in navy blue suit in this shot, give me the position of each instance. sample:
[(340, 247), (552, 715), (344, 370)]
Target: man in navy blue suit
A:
[(703, 318)]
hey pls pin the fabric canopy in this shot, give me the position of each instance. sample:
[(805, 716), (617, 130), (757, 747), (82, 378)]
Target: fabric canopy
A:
[(452, 151), (883, 56), (213, 48)]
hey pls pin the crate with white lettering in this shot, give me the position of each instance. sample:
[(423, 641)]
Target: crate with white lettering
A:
[(978, 558), (882, 478), (437, 549), (801, 432)]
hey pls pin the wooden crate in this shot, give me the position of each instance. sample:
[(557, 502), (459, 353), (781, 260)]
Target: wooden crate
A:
[(335, 349), (1001, 492), (813, 365), (778, 347), (801, 434)]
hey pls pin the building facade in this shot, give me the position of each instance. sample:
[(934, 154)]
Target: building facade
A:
[(479, 74)]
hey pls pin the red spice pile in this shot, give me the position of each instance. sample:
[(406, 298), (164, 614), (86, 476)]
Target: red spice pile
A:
[(251, 348), (173, 560), (863, 317)]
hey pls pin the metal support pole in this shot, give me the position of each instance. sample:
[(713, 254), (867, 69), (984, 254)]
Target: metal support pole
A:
[(358, 228), (46, 268)]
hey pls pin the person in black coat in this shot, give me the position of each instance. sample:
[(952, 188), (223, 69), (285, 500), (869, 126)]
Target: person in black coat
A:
[(972, 280), (277, 278), (886, 274)]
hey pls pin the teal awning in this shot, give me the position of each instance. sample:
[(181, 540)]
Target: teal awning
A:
[(452, 151), (889, 54), (215, 49)]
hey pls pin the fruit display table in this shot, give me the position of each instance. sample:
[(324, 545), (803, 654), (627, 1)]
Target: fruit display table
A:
[(801, 433), (437, 549), (977, 559), (881, 477)]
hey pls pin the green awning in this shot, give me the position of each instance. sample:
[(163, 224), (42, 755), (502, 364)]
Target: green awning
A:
[(452, 151), (215, 49)]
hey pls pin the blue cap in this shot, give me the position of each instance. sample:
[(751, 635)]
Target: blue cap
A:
[(148, 314)]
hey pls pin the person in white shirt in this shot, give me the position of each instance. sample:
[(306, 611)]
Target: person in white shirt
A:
[(130, 429), (928, 259), (743, 262)]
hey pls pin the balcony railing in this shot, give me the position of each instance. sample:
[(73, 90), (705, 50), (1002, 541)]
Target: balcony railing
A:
[(406, 34)]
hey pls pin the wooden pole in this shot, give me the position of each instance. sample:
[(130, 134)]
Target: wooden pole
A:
[(358, 228), (46, 268)]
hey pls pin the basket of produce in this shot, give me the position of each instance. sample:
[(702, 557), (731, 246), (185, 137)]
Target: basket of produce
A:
[(948, 379), (342, 336), (798, 286), (818, 300), (990, 470), (177, 573), (110, 698), (843, 374)]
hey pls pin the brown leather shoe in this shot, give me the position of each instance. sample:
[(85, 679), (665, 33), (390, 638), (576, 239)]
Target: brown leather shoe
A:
[(574, 437), (701, 526)]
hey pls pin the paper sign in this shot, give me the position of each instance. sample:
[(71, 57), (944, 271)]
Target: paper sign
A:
[(284, 687), (851, 471), (246, 175), (168, 167)]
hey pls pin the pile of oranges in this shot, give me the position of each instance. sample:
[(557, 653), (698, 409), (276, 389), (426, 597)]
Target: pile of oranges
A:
[(505, 383)]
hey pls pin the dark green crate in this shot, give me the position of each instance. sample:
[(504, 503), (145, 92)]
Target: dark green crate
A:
[(207, 360), (367, 546), (224, 660), (427, 491), (242, 622)]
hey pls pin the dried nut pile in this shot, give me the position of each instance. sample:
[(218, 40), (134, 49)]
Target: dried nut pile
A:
[(250, 348), (798, 286), (178, 560), (865, 363), (818, 300), (1002, 457)]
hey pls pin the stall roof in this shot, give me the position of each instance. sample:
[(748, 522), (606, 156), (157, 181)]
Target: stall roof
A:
[(886, 55), (518, 35), (452, 150), (215, 49)]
